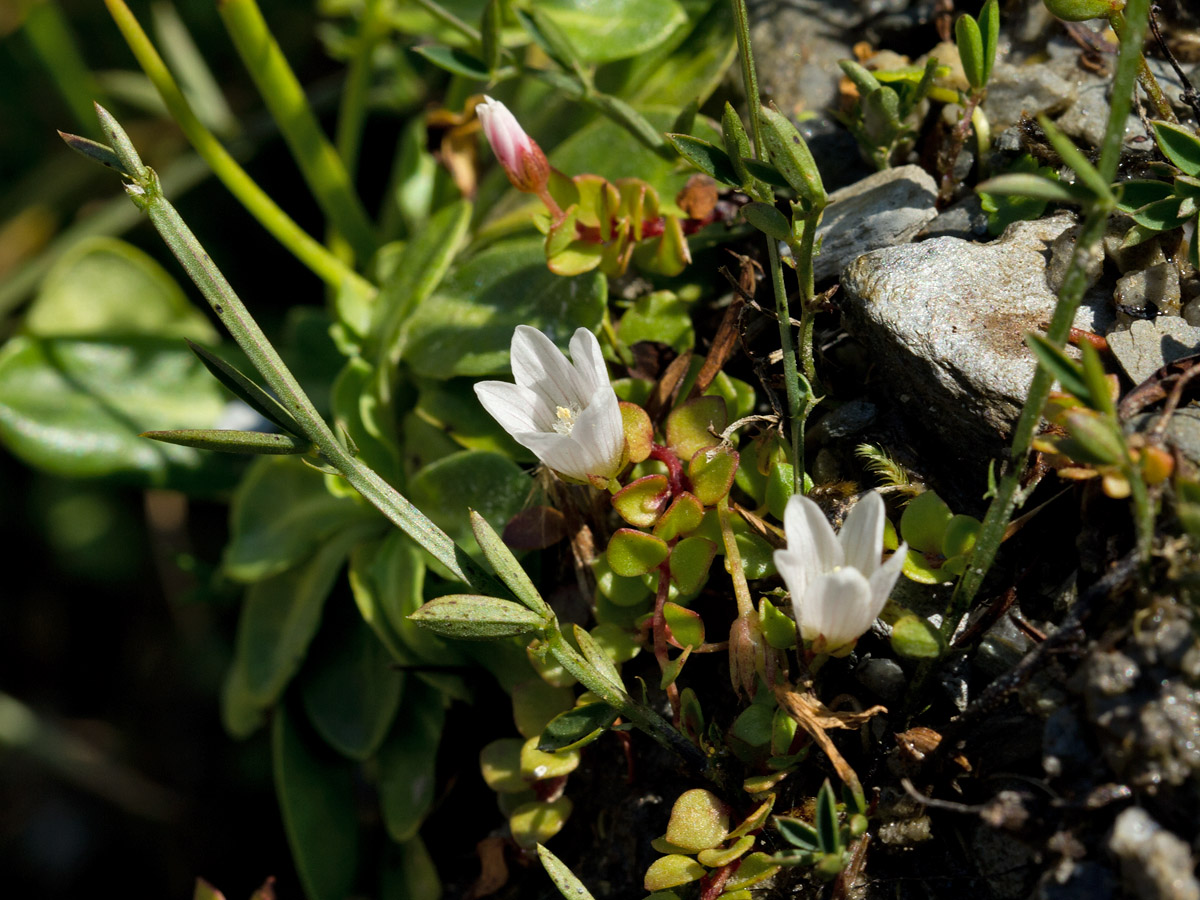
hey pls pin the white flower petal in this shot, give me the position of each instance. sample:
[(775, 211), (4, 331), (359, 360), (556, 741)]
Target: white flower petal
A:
[(600, 429), (836, 606), (884, 578), (588, 359), (812, 547), (862, 534), (540, 366), (560, 452), (516, 408)]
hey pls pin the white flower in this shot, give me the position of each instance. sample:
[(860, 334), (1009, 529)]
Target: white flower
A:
[(565, 412), (519, 154), (837, 584)]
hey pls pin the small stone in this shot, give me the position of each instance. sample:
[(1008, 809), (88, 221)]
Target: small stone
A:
[(848, 419), (1148, 346), (964, 219), (883, 677), (1034, 90), (945, 321), (1157, 285), (882, 210), (1155, 864), (1127, 259)]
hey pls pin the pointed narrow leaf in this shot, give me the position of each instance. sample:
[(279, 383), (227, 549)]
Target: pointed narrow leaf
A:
[(764, 172), (595, 655), (472, 617), (1162, 215), (989, 25), (506, 566), (737, 144), (798, 833), (1084, 171), (827, 823), (576, 727), (1180, 145), (863, 80), (94, 151), (1021, 184), (790, 155), (767, 219), (225, 441), (708, 158), (460, 62), (241, 386), (1133, 195), (564, 879), (1064, 369)]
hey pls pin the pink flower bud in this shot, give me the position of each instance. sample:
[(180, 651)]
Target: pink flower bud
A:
[(522, 158)]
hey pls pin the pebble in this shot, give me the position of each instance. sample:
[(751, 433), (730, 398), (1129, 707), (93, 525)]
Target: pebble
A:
[(1155, 864), (1147, 346)]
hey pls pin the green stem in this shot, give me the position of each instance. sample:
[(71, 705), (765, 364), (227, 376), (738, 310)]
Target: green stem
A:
[(1074, 285), (749, 75), (641, 716), (310, 252), (352, 114), (317, 158), (147, 195)]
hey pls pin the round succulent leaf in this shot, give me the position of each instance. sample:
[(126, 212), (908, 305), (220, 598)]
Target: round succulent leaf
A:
[(711, 473), (537, 765), (509, 803), (672, 871), (474, 617), (639, 431), (755, 868), (758, 557), (686, 625), (620, 590), (661, 317), (924, 522), (535, 703), (754, 724), (691, 426), (783, 732), (915, 638), (956, 565), (616, 30), (683, 516), (500, 763), (662, 845), (781, 484), (690, 562), (699, 820), (537, 822), (756, 820), (631, 553), (641, 502), (738, 395), (961, 533), (577, 727), (717, 857), (919, 568), (778, 628)]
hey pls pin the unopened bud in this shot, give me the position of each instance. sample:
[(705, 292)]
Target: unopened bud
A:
[(523, 160)]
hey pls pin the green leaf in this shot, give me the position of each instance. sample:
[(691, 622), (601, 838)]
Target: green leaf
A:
[(699, 820), (633, 553), (1136, 194), (250, 442), (1180, 145), (77, 408), (755, 868), (535, 703), (459, 62), (684, 515), (107, 157), (1162, 215), (408, 872), (506, 566), (690, 427), (599, 659), (642, 501), (420, 269), (1021, 184), (566, 882), (708, 158), (711, 473), (690, 562), (316, 796), (473, 617), (281, 514), (829, 837), (246, 389), (577, 727), (737, 145), (349, 689), (1065, 370), (279, 618), (672, 871), (500, 765), (1093, 438), (617, 29), (790, 155), (778, 628), (686, 626), (408, 761), (798, 833), (105, 288), (1085, 172), (960, 535), (862, 78), (970, 50), (358, 412), (466, 326), (658, 316), (492, 485), (923, 522), (769, 220), (535, 823), (989, 25), (915, 638)]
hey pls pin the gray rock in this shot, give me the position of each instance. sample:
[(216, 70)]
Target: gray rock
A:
[(882, 677), (1033, 90), (964, 219), (946, 319), (1148, 346), (882, 210), (1157, 286), (1155, 864)]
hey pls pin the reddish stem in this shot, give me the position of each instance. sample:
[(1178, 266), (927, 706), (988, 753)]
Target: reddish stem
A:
[(660, 635), (676, 480)]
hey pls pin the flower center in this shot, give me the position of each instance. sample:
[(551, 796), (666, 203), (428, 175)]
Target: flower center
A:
[(566, 418)]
